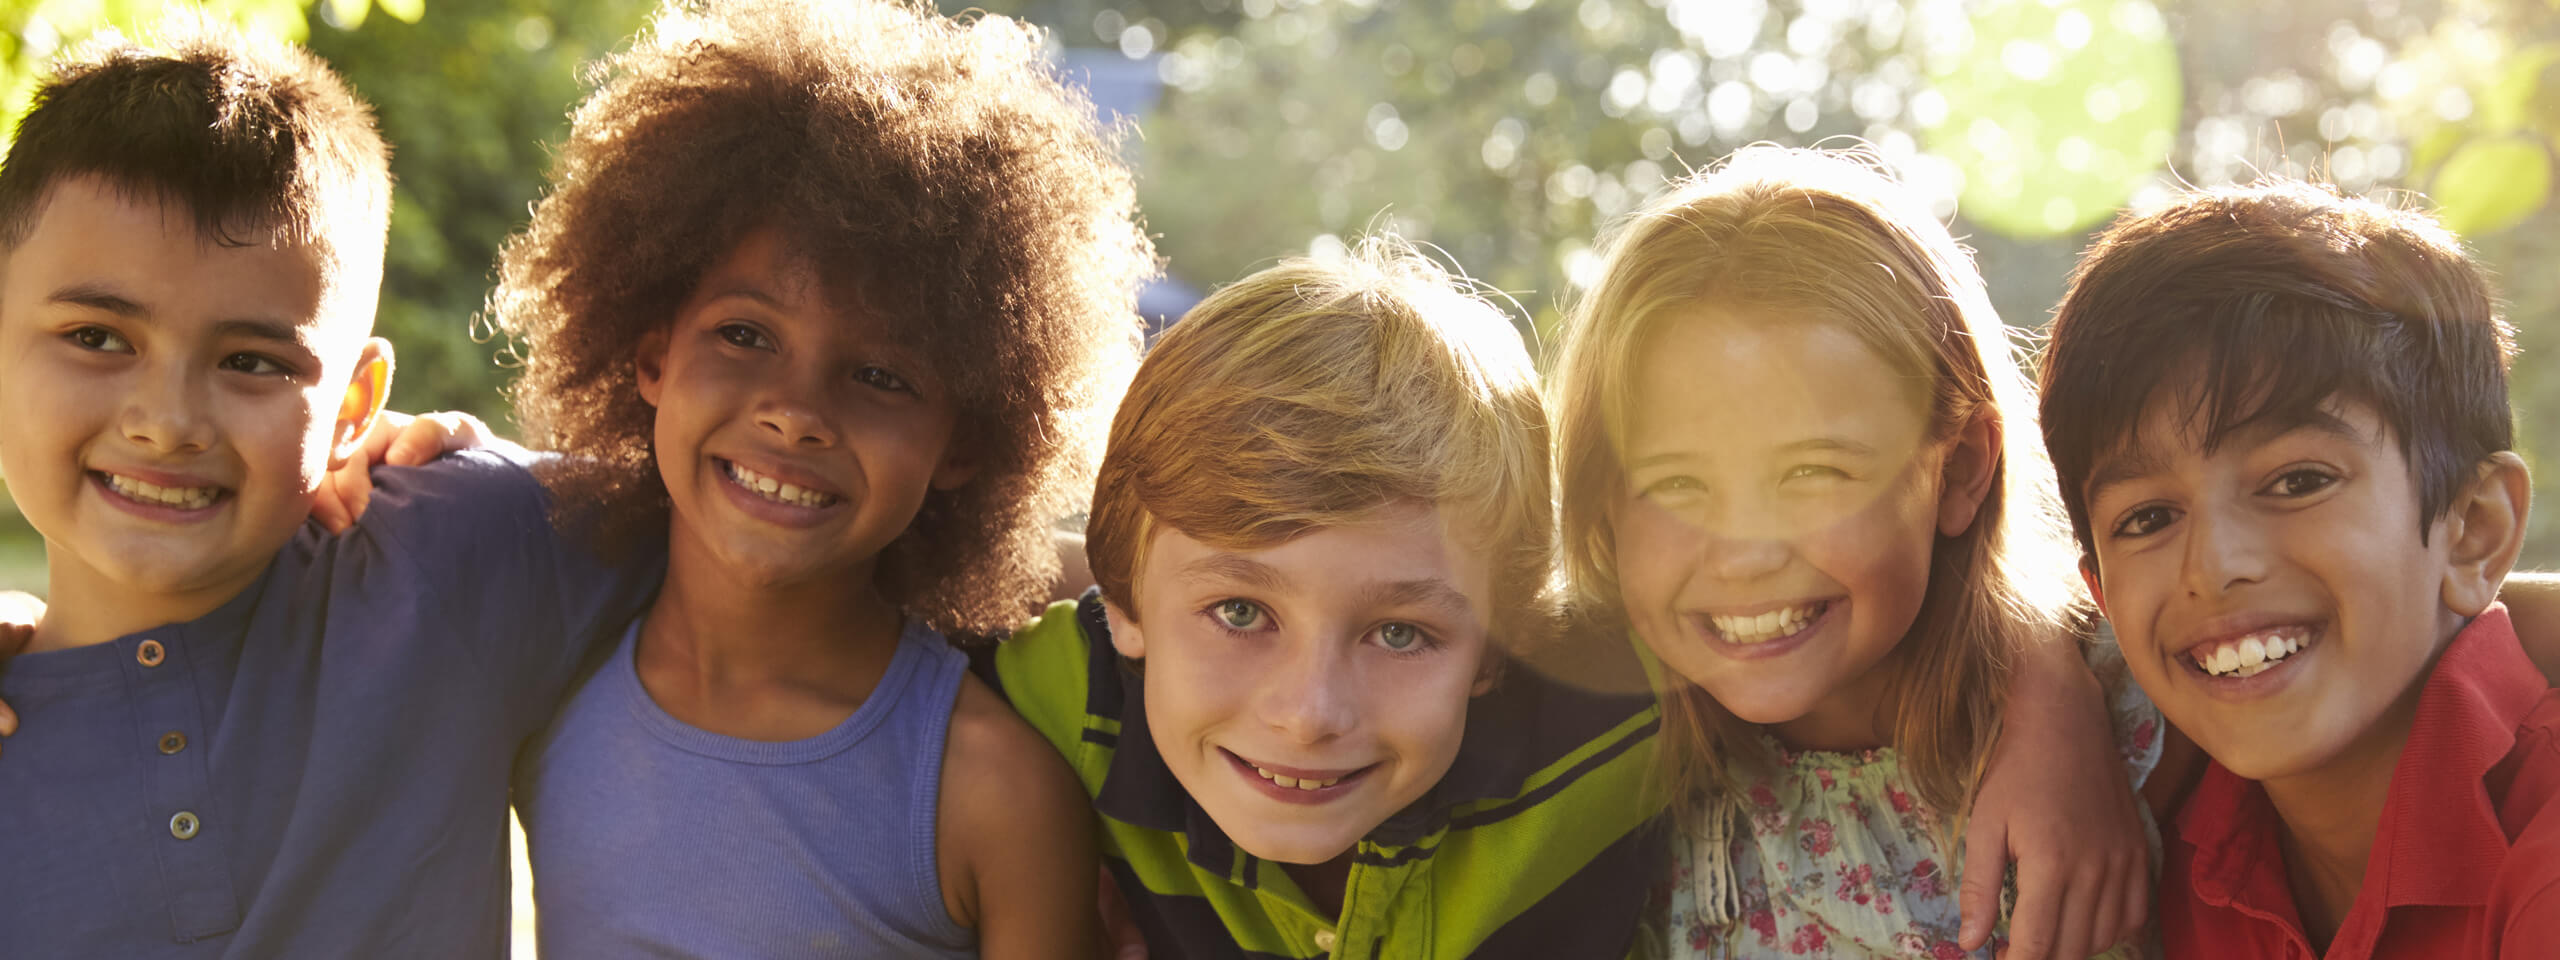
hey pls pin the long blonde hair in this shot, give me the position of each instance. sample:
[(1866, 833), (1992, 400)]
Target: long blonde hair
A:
[(1828, 235)]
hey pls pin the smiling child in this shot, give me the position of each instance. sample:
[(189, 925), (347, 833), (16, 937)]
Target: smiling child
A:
[(2280, 417)]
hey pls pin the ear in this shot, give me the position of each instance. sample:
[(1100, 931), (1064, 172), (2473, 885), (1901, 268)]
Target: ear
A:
[(649, 362), (2483, 530), (1125, 636), (2089, 575), (1973, 461), (954, 471), (357, 408)]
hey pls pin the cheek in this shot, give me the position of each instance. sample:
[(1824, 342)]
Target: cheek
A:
[(1881, 554), (1655, 551), (1422, 710)]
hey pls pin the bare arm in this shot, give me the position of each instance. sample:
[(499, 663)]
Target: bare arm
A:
[(2057, 800), (1015, 837)]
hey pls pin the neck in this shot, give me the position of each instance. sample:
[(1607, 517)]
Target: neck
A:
[(734, 627), (1323, 883), (85, 608), (1852, 717), (2330, 815)]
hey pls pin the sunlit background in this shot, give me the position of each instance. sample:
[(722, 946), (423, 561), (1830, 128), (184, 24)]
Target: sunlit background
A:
[(1507, 131)]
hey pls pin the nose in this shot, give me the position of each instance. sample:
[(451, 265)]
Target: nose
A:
[(164, 412), (791, 408), (2224, 550), (1741, 540), (1310, 697)]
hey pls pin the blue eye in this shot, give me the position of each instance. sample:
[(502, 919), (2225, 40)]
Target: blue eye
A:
[(1400, 637), (1238, 614)]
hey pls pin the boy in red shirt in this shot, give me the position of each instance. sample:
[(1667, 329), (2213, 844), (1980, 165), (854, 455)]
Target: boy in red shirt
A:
[(2280, 419)]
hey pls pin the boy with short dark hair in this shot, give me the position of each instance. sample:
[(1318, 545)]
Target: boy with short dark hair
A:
[(244, 738), (2280, 419)]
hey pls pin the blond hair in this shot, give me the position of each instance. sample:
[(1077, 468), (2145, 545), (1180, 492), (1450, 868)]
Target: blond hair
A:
[(1829, 236), (1311, 394)]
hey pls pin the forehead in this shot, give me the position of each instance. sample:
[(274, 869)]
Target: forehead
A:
[(1402, 552), (2176, 426), (100, 244), (1756, 378), (768, 267)]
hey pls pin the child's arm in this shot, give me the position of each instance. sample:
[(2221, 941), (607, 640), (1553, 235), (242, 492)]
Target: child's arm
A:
[(19, 614), (2533, 602), (399, 440), (2056, 798), (1014, 837)]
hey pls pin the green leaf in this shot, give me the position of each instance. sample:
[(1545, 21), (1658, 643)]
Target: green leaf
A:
[(405, 11), (349, 14), (2491, 184), (2510, 101)]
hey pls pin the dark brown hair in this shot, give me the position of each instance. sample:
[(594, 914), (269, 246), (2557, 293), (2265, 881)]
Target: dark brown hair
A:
[(250, 136), (931, 170), (2277, 299)]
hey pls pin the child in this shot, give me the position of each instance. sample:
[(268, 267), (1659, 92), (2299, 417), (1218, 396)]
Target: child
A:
[(819, 292), (243, 738), (1322, 528), (1794, 453), (2280, 418)]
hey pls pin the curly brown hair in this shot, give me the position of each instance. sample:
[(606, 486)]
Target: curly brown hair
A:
[(933, 170)]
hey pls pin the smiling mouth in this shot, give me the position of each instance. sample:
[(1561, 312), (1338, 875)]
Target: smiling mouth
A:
[(2251, 654), (151, 494), (1773, 625), (1295, 782), (776, 490)]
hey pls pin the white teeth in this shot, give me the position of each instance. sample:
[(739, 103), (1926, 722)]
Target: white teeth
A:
[(2253, 654), (185, 498), (1764, 627), (776, 490), (1294, 782)]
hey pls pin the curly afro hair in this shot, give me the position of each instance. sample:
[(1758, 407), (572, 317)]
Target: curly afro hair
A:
[(930, 169)]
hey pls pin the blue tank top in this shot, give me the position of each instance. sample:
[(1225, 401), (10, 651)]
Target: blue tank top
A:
[(651, 837)]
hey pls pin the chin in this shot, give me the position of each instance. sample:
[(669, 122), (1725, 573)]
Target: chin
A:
[(1298, 849)]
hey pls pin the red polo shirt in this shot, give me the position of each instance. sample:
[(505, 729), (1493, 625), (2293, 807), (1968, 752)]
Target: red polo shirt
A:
[(2467, 861)]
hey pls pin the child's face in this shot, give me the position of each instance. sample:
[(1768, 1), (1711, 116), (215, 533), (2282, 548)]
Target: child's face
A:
[(795, 440), (2306, 538), (1774, 538), (1304, 693), (168, 404)]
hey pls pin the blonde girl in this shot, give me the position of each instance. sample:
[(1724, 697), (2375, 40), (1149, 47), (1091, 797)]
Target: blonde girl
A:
[(1798, 458)]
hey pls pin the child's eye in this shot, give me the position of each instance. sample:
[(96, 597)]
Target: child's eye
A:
[(99, 339), (254, 364), (1809, 470), (2144, 521), (743, 335), (1676, 483), (1400, 637), (2299, 483), (881, 379), (1235, 614)]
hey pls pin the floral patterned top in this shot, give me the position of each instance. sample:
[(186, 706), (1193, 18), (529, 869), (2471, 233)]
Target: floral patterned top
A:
[(1834, 857)]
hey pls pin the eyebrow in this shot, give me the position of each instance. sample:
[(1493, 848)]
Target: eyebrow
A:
[(2128, 463), (1808, 445), (748, 292), (1430, 592), (2131, 464), (264, 330), (1228, 566), (98, 297)]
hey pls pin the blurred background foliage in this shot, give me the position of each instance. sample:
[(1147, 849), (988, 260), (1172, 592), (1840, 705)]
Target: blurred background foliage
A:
[(1507, 132)]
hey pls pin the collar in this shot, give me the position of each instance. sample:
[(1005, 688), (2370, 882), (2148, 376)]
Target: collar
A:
[(2439, 841), (203, 637), (1505, 740)]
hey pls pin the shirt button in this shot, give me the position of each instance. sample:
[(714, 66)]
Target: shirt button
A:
[(1325, 940), (184, 825), (172, 742), (150, 654)]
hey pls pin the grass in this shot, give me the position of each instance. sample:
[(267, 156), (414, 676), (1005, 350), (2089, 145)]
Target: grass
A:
[(21, 551)]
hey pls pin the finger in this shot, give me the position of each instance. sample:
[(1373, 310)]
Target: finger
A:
[(2137, 900), (327, 508), (8, 720), (2032, 925), (2075, 930), (2106, 916), (423, 441), (387, 426), (1985, 858)]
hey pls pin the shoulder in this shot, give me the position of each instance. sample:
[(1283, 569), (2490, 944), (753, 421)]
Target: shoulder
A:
[(1007, 797), (1058, 670), (449, 499)]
